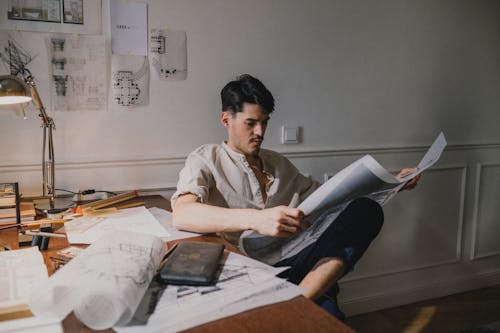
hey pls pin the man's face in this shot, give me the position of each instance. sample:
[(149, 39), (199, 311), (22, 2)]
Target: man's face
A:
[(245, 130)]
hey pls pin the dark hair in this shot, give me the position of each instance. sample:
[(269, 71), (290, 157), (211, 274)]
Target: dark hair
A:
[(246, 89)]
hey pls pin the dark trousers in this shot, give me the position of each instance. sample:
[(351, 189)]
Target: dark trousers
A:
[(346, 238)]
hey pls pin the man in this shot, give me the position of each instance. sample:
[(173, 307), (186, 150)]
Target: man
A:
[(237, 186)]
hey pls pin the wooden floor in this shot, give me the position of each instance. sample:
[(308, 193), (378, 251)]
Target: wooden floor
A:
[(447, 314)]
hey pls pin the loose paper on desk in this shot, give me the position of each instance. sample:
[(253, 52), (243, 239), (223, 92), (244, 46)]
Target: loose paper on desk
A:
[(32, 325), (21, 271), (105, 283), (165, 219), (243, 284), (87, 229), (363, 178)]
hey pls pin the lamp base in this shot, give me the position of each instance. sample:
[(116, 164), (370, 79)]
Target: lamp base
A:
[(51, 210)]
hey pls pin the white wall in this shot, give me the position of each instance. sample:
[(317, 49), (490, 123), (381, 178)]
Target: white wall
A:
[(380, 77)]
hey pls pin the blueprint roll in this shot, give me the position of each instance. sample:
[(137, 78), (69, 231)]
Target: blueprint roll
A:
[(105, 283), (102, 310)]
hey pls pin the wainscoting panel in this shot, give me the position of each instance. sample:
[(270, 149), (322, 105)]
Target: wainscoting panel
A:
[(423, 227), (486, 223)]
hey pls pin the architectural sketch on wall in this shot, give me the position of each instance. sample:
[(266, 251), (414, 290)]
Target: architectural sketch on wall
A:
[(13, 54), (129, 27), (130, 84), (78, 72), (169, 54), (68, 16)]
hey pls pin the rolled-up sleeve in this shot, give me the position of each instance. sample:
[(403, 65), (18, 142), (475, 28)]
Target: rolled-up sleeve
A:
[(194, 178)]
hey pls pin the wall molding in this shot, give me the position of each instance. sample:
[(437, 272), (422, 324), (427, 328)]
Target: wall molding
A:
[(291, 154), (460, 226), (475, 211)]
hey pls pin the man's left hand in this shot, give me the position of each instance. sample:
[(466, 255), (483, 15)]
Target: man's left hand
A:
[(412, 182)]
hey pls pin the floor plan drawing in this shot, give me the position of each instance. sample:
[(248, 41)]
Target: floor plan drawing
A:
[(130, 82), (169, 54)]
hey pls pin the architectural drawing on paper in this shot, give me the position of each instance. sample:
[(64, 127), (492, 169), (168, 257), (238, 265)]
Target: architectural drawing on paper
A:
[(15, 56), (60, 82), (78, 72), (127, 89), (169, 54), (116, 270)]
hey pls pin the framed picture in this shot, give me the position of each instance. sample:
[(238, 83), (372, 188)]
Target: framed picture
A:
[(73, 11), (66, 16)]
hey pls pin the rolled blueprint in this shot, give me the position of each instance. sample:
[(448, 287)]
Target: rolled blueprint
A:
[(105, 283)]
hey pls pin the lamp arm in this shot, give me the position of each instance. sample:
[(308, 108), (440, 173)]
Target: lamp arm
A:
[(48, 160), (47, 121)]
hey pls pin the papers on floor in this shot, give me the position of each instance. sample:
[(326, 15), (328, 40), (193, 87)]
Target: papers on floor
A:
[(87, 229), (105, 283)]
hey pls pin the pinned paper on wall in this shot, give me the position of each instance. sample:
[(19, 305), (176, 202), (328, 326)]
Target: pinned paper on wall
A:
[(78, 72), (169, 54), (130, 83), (129, 28)]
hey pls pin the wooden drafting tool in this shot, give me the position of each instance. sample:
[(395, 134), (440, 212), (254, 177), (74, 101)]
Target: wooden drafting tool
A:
[(111, 201), (42, 233), (36, 223), (130, 205)]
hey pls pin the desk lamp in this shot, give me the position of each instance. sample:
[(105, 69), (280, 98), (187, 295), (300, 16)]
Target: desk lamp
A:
[(16, 90)]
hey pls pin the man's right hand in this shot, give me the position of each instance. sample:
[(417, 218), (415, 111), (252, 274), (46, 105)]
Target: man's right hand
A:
[(280, 221)]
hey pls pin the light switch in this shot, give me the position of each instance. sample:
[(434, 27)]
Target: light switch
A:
[(289, 134)]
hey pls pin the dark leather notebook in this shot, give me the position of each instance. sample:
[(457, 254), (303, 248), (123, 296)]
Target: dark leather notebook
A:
[(192, 263)]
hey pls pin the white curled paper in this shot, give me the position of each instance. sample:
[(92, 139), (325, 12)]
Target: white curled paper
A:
[(105, 283)]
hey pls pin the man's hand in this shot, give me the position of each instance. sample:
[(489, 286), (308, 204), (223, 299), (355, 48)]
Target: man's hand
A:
[(412, 182), (280, 221)]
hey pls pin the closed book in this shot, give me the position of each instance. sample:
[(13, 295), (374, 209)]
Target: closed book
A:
[(192, 263)]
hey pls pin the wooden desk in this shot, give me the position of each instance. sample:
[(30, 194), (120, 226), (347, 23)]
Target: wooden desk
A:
[(296, 315)]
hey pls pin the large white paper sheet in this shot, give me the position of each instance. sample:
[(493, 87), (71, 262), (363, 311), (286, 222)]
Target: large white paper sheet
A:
[(86, 230), (129, 27), (105, 283)]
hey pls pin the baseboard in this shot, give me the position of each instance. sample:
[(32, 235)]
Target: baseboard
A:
[(399, 297)]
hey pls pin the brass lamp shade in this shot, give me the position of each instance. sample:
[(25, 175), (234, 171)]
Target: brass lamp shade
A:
[(13, 90)]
